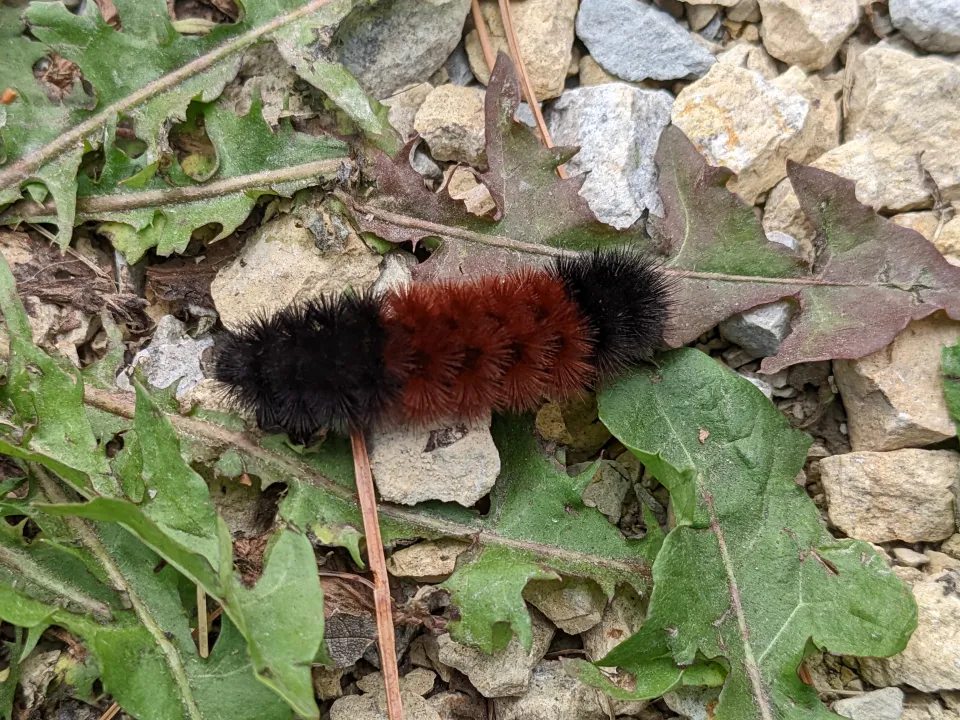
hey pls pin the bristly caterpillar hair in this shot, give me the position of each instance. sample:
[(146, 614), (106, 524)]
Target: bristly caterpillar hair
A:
[(435, 351)]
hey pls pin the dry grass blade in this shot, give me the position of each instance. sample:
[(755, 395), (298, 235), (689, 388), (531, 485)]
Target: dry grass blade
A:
[(110, 712), (203, 631), (514, 43), (378, 565)]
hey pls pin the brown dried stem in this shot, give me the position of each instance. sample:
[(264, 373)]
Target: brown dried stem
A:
[(483, 35), (378, 565), (514, 44)]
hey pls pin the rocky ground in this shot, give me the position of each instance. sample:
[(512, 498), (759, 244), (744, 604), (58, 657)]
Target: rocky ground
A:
[(869, 90)]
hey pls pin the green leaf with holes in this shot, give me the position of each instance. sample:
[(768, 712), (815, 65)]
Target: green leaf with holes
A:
[(750, 574)]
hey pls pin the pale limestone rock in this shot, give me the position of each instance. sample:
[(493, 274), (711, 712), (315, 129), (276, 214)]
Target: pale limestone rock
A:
[(898, 495), (607, 491), (924, 222), (885, 704), (745, 11), (925, 707), (951, 546), (463, 185), (506, 672), (403, 106), (910, 558), (937, 562), (906, 106), (456, 463), (573, 423), (372, 705), (948, 242), (782, 213), (451, 121), (573, 604), (718, 3), (823, 126), (750, 56), (807, 34), (592, 74), (699, 16), (931, 660), (617, 128), (428, 561), (621, 619), (545, 34), (894, 397), (553, 695), (740, 121), (281, 264)]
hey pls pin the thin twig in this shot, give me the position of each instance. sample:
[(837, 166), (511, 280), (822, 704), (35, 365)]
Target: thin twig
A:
[(348, 577), (24, 168), (514, 44), (202, 629), (483, 35), (378, 565), (110, 712)]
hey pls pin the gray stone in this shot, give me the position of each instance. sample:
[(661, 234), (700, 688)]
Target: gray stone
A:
[(807, 34), (934, 25), (783, 239), (951, 546), (894, 397), (506, 672), (456, 463), (458, 66), (926, 707), (636, 41), (399, 42), (617, 128), (899, 495), (931, 660), (885, 704), (553, 695), (171, 355), (761, 330), (759, 382)]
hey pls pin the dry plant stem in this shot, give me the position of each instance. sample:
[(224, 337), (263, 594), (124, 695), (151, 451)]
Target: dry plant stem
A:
[(378, 565), (483, 35), (202, 629), (110, 712), (525, 83)]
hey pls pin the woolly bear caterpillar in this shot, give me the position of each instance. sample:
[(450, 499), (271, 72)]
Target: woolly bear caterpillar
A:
[(435, 351)]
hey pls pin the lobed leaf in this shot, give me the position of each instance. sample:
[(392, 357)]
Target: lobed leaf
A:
[(174, 518), (870, 278), (146, 75), (750, 574)]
